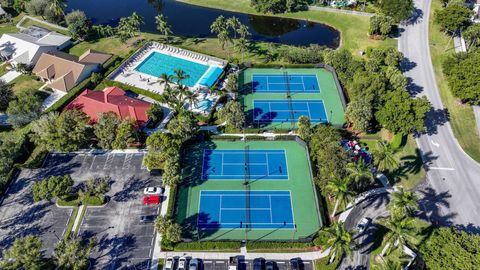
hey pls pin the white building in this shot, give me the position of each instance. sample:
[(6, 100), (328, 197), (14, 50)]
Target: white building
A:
[(27, 46)]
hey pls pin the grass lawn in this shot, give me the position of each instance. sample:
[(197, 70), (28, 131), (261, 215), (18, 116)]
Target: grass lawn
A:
[(353, 28), (421, 229), (462, 118), (26, 82), (10, 27), (28, 22)]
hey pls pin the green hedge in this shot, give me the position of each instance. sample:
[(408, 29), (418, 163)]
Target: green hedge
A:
[(266, 65), (279, 246), (208, 246), (323, 264), (171, 202), (133, 89), (226, 137), (71, 95)]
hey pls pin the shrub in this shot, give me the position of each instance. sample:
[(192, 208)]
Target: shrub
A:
[(275, 246), (208, 246)]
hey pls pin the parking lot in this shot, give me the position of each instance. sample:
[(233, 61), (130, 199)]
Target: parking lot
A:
[(122, 240), (248, 265)]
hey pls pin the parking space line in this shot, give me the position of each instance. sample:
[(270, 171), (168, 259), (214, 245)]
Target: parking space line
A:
[(108, 161), (127, 161), (93, 162)]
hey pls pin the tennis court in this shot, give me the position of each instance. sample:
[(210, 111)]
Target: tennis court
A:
[(237, 209), (230, 164), (279, 110), (280, 83)]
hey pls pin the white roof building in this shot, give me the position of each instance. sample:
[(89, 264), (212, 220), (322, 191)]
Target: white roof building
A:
[(27, 46)]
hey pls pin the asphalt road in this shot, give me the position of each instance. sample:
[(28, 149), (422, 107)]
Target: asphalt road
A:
[(372, 208), (452, 189)]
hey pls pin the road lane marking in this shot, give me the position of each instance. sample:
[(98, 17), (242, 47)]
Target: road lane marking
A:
[(441, 168), (435, 143)]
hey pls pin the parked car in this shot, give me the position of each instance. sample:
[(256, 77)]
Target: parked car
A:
[(233, 263), (295, 264), (363, 224), (147, 218), (151, 199), (194, 264), (170, 263), (182, 263), (258, 264), (152, 191), (270, 265)]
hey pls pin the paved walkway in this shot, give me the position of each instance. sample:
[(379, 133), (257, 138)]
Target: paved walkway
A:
[(343, 11), (476, 112), (10, 76), (52, 98)]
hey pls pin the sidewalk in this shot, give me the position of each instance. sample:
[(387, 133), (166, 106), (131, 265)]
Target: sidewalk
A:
[(10, 76), (343, 11)]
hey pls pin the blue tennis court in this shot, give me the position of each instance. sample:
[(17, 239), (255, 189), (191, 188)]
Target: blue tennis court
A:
[(279, 111), (230, 164), (236, 209), (278, 83)]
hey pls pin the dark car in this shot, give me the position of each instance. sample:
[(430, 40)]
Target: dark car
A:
[(270, 265), (259, 264), (295, 264), (147, 218)]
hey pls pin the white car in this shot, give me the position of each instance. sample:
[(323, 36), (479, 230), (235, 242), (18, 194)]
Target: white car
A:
[(152, 191), (182, 263), (169, 263), (363, 224)]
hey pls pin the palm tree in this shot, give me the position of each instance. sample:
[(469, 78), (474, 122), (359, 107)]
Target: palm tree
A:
[(243, 31), (163, 26), (170, 97), (385, 156), (58, 7), (234, 24), (165, 79), (404, 201), (400, 232), (191, 97), (180, 75), (340, 241), (359, 173), (224, 39), (218, 25), (242, 46), (341, 190), (391, 265), (182, 92)]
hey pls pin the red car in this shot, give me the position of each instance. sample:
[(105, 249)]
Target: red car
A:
[(151, 200)]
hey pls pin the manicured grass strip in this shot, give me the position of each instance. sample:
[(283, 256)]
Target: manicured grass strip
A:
[(462, 118), (323, 263), (70, 224), (82, 214), (208, 246), (161, 263), (279, 247)]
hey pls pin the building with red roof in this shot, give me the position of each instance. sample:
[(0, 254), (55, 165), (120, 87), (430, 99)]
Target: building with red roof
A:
[(111, 99)]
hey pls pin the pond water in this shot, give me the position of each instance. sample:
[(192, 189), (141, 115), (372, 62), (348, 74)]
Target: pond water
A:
[(194, 21)]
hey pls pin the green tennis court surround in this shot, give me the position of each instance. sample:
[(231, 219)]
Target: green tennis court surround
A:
[(279, 203), (276, 98)]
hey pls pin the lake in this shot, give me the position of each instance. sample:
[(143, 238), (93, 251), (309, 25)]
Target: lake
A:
[(194, 21)]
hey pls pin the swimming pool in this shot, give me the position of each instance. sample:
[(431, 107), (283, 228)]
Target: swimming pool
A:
[(158, 63)]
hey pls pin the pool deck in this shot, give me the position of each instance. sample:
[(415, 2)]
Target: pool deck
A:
[(128, 74)]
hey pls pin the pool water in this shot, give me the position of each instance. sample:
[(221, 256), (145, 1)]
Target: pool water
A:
[(158, 63)]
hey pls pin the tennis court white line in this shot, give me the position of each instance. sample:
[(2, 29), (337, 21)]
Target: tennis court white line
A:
[(236, 163), (271, 214), (246, 209), (243, 195), (259, 223)]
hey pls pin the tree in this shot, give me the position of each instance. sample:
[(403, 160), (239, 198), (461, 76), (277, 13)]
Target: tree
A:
[(126, 134), (183, 126), (399, 10), (174, 233), (162, 223), (402, 113), (160, 146), (453, 17), (96, 187), (450, 248), (340, 241), (279, 6), (340, 189), (384, 156), (105, 129), (232, 114), (25, 253), (472, 36), (6, 95), (220, 27), (360, 113), (391, 265), (360, 173), (68, 131), (462, 75), (78, 24), (24, 109), (165, 79), (52, 187), (57, 7), (155, 113), (400, 231), (242, 46), (96, 78), (171, 173), (19, 5), (180, 76), (163, 26), (232, 84), (304, 128), (128, 26), (381, 25), (403, 202), (72, 255), (37, 7)]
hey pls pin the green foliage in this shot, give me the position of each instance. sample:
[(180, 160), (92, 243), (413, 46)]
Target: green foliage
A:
[(321, 239), (279, 6), (277, 246), (66, 99), (403, 202), (232, 113), (174, 233), (340, 240), (105, 129), (135, 90), (160, 146), (400, 113), (97, 186), (397, 9), (77, 24), (232, 83), (344, 63), (462, 74), (207, 246), (449, 248), (126, 134), (340, 189), (6, 95), (65, 132), (128, 26), (171, 173), (155, 113), (24, 109), (472, 37), (72, 255), (384, 156), (52, 187), (381, 25), (96, 78), (304, 128), (453, 17), (360, 113), (302, 55), (163, 26), (26, 253), (37, 7), (183, 126), (400, 231)]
